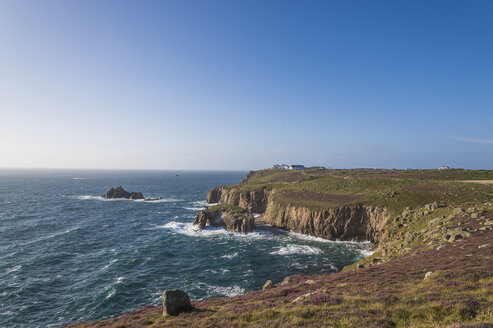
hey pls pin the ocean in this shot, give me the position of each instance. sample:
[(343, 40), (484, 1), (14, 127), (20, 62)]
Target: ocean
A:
[(68, 255)]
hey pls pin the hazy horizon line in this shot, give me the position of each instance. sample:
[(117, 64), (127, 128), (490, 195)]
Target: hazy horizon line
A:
[(231, 170)]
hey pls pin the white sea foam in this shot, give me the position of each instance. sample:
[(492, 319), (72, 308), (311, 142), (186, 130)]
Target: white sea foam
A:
[(259, 233), (228, 291), (86, 197), (366, 252), (299, 266), (203, 203), (111, 293), (188, 229), (14, 269), (111, 287), (213, 290), (194, 208), (191, 230), (230, 256), (323, 240), (297, 249), (79, 178), (162, 200), (364, 247), (308, 238)]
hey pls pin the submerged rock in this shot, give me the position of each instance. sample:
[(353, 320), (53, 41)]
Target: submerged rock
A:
[(119, 192), (175, 301)]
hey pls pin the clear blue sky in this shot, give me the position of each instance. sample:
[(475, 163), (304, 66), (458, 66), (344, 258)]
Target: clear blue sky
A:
[(246, 84)]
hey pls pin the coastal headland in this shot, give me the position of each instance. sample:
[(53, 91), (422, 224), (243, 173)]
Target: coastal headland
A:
[(432, 264)]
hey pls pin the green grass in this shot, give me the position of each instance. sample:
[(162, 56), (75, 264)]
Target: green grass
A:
[(395, 189)]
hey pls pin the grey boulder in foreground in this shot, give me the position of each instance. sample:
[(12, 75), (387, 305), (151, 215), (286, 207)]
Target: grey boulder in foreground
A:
[(175, 301)]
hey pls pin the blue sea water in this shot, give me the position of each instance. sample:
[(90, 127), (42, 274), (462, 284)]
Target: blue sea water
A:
[(68, 255)]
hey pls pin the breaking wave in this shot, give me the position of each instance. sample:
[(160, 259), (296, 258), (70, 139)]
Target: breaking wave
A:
[(297, 249), (215, 291), (188, 229), (163, 200)]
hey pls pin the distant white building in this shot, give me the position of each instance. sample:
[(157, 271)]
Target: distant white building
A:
[(289, 167), (444, 167), (297, 167)]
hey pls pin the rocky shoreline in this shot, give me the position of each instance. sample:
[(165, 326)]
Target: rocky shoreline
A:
[(432, 263)]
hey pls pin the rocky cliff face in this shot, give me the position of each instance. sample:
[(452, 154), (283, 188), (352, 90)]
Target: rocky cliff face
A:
[(357, 223), (254, 201), (354, 222), (241, 222)]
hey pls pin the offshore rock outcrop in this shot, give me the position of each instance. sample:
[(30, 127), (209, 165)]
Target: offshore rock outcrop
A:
[(351, 222), (241, 222), (119, 192)]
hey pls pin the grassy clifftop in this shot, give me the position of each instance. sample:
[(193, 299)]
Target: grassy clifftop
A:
[(395, 189)]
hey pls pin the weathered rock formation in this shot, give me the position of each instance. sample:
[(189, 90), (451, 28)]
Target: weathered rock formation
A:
[(119, 192), (175, 301), (254, 201), (229, 219), (355, 222), (350, 222)]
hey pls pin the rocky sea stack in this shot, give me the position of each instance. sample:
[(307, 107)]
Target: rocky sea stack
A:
[(119, 192)]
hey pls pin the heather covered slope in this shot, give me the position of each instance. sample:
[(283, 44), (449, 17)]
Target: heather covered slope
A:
[(435, 226)]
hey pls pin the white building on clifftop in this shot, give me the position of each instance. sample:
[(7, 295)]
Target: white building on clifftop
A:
[(297, 167), (289, 167)]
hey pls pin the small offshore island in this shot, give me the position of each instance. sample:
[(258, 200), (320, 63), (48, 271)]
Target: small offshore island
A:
[(432, 265), (120, 193)]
